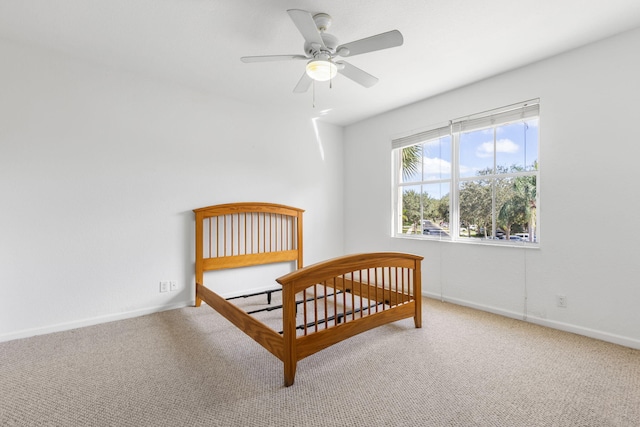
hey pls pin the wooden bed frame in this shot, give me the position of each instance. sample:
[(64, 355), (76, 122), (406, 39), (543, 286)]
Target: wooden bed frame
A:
[(322, 304)]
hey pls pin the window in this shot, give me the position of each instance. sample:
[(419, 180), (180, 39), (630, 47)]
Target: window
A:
[(474, 179)]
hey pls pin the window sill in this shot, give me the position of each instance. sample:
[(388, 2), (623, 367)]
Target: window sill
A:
[(467, 241)]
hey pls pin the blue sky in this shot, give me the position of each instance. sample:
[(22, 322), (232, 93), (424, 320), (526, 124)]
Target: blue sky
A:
[(477, 150), (515, 144)]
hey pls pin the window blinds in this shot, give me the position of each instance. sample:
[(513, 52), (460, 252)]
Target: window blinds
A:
[(421, 137), (511, 113)]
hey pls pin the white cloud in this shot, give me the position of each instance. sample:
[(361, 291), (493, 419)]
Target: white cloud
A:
[(466, 170), (502, 146), (435, 166)]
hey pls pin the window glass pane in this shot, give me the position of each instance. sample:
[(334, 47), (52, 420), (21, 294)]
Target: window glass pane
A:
[(509, 207), (516, 146), (475, 209), (411, 162), (437, 159), (516, 207), (411, 210), (531, 145), (435, 219), (476, 152)]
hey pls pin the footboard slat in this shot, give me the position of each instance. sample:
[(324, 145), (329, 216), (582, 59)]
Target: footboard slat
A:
[(310, 344)]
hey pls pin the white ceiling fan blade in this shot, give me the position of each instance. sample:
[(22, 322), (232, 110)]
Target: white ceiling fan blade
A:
[(303, 84), (356, 74), (307, 26), (370, 44), (268, 58)]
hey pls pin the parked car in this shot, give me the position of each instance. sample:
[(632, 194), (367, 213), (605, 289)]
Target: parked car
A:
[(499, 233), (434, 231)]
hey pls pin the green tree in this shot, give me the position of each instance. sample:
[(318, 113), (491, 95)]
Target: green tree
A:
[(420, 206), (412, 210), (527, 191), (442, 208), (475, 204), (518, 202), (508, 206)]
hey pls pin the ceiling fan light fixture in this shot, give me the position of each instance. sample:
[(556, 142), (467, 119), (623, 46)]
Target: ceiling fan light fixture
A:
[(321, 70)]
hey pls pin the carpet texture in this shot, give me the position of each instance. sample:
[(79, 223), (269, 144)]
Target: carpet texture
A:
[(190, 367)]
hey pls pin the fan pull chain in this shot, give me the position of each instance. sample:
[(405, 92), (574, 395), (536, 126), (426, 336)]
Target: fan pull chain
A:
[(313, 102)]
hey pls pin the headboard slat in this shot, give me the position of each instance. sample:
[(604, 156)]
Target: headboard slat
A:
[(246, 234)]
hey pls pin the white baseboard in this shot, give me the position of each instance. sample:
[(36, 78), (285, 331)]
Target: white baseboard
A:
[(26, 333), (60, 327), (481, 307), (567, 327), (587, 332)]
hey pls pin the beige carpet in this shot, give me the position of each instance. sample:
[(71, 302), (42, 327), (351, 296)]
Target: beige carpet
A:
[(190, 367)]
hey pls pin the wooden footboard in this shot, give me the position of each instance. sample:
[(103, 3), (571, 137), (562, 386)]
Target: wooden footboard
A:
[(331, 301)]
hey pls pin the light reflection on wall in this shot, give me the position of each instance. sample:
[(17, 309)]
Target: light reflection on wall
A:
[(314, 121)]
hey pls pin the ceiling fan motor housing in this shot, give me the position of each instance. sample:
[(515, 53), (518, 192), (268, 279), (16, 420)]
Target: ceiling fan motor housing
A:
[(323, 21)]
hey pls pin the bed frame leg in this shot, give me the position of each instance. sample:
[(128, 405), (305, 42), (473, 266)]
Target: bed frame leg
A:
[(417, 317), (289, 373), (290, 357), (417, 292), (198, 299)]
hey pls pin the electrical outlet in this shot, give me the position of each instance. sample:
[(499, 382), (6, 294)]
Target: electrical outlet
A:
[(164, 286), (173, 285), (561, 301)]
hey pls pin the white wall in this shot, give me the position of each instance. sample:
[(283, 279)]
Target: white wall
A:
[(588, 202), (100, 171)]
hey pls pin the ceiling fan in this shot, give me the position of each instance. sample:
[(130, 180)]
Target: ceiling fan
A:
[(322, 50)]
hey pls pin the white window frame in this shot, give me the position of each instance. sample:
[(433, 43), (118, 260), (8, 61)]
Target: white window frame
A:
[(514, 113)]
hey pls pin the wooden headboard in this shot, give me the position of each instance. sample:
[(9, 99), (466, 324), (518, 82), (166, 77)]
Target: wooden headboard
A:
[(243, 234)]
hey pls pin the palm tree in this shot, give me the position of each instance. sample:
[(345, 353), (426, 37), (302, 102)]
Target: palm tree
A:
[(411, 160)]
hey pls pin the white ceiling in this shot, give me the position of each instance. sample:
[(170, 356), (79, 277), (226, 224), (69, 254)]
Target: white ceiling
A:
[(198, 43)]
